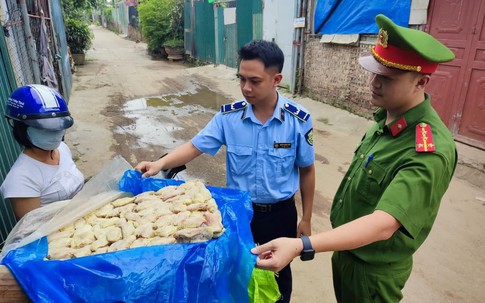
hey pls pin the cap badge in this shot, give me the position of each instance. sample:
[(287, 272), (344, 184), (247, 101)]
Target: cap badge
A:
[(382, 38)]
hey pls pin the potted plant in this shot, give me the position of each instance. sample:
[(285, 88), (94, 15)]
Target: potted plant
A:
[(174, 45), (162, 23), (175, 49), (79, 39), (154, 24)]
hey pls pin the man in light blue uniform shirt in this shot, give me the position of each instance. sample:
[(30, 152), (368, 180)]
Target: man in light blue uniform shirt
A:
[(270, 153), (261, 158)]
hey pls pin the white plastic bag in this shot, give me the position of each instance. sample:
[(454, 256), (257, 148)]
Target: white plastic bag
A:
[(98, 191)]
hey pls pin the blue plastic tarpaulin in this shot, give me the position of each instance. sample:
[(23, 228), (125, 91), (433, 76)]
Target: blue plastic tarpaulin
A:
[(357, 16), (214, 271)]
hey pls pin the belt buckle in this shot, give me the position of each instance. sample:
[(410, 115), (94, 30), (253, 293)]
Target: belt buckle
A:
[(264, 208)]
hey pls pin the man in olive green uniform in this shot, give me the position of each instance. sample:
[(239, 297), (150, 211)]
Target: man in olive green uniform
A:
[(388, 200)]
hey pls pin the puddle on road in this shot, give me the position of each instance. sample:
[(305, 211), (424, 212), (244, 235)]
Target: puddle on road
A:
[(202, 96), (155, 118)]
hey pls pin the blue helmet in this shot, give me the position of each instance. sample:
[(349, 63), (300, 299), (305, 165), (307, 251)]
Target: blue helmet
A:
[(39, 106)]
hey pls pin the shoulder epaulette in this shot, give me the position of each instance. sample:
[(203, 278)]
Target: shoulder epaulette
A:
[(232, 107), (424, 138), (295, 111)]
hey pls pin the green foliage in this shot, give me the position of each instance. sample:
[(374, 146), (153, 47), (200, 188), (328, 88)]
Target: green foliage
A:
[(161, 21), (176, 17), (174, 43), (153, 24), (75, 9), (107, 14), (79, 36), (194, 62)]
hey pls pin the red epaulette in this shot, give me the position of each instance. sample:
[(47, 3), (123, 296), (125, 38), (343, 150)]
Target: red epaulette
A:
[(424, 138)]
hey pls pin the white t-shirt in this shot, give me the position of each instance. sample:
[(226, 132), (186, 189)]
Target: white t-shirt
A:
[(30, 178)]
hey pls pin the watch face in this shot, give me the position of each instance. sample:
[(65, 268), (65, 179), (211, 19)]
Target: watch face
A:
[(308, 252), (307, 255)]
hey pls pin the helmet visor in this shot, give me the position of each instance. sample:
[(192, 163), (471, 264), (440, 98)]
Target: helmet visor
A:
[(53, 124)]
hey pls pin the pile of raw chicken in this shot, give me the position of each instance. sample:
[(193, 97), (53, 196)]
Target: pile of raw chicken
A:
[(175, 214)]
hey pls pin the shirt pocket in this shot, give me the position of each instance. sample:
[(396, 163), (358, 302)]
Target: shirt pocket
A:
[(370, 185), (240, 158), (282, 161)]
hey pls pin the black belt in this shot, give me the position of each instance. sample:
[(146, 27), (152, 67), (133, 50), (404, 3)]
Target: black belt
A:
[(265, 208)]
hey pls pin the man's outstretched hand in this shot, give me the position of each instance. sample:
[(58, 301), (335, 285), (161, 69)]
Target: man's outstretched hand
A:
[(278, 253), (148, 168)]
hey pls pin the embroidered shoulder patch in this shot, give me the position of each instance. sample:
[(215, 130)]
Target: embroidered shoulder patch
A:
[(233, 107), (295, 111), (309, 137), (424, 138)]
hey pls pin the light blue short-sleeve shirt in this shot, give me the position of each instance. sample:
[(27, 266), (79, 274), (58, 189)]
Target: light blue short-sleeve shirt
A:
[(261, 158)]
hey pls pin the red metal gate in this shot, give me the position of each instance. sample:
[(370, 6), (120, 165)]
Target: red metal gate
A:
[(458, 88)]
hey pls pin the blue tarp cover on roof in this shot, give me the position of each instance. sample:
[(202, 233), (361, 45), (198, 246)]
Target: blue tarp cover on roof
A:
[(357, 16), (217, 270)]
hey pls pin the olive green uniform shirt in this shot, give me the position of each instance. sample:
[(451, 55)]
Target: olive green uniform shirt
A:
[(388, 174)]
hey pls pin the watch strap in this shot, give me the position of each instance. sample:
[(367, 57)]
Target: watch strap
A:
[(307, 245)]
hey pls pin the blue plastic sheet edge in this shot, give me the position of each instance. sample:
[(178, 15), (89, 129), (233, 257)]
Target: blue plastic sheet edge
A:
[(214, 271), (356, 16)]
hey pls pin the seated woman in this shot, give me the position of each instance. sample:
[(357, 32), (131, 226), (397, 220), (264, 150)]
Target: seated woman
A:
[(44, 172)]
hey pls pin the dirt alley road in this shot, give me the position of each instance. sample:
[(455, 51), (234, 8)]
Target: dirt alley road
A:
[(450, 267)]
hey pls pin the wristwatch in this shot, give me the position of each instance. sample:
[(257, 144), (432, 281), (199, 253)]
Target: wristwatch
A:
[(308, 253)]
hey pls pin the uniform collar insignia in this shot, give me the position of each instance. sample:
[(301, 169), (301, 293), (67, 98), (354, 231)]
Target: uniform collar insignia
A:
[(398, 126)]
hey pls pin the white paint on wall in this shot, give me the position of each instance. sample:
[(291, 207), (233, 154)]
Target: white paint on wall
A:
[(229, 15), (419, 12), (278, 18)]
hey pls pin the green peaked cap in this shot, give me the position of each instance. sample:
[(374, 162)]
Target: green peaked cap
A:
[(418, 41)]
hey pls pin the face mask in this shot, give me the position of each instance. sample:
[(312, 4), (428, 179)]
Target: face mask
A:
[(46, 140)]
